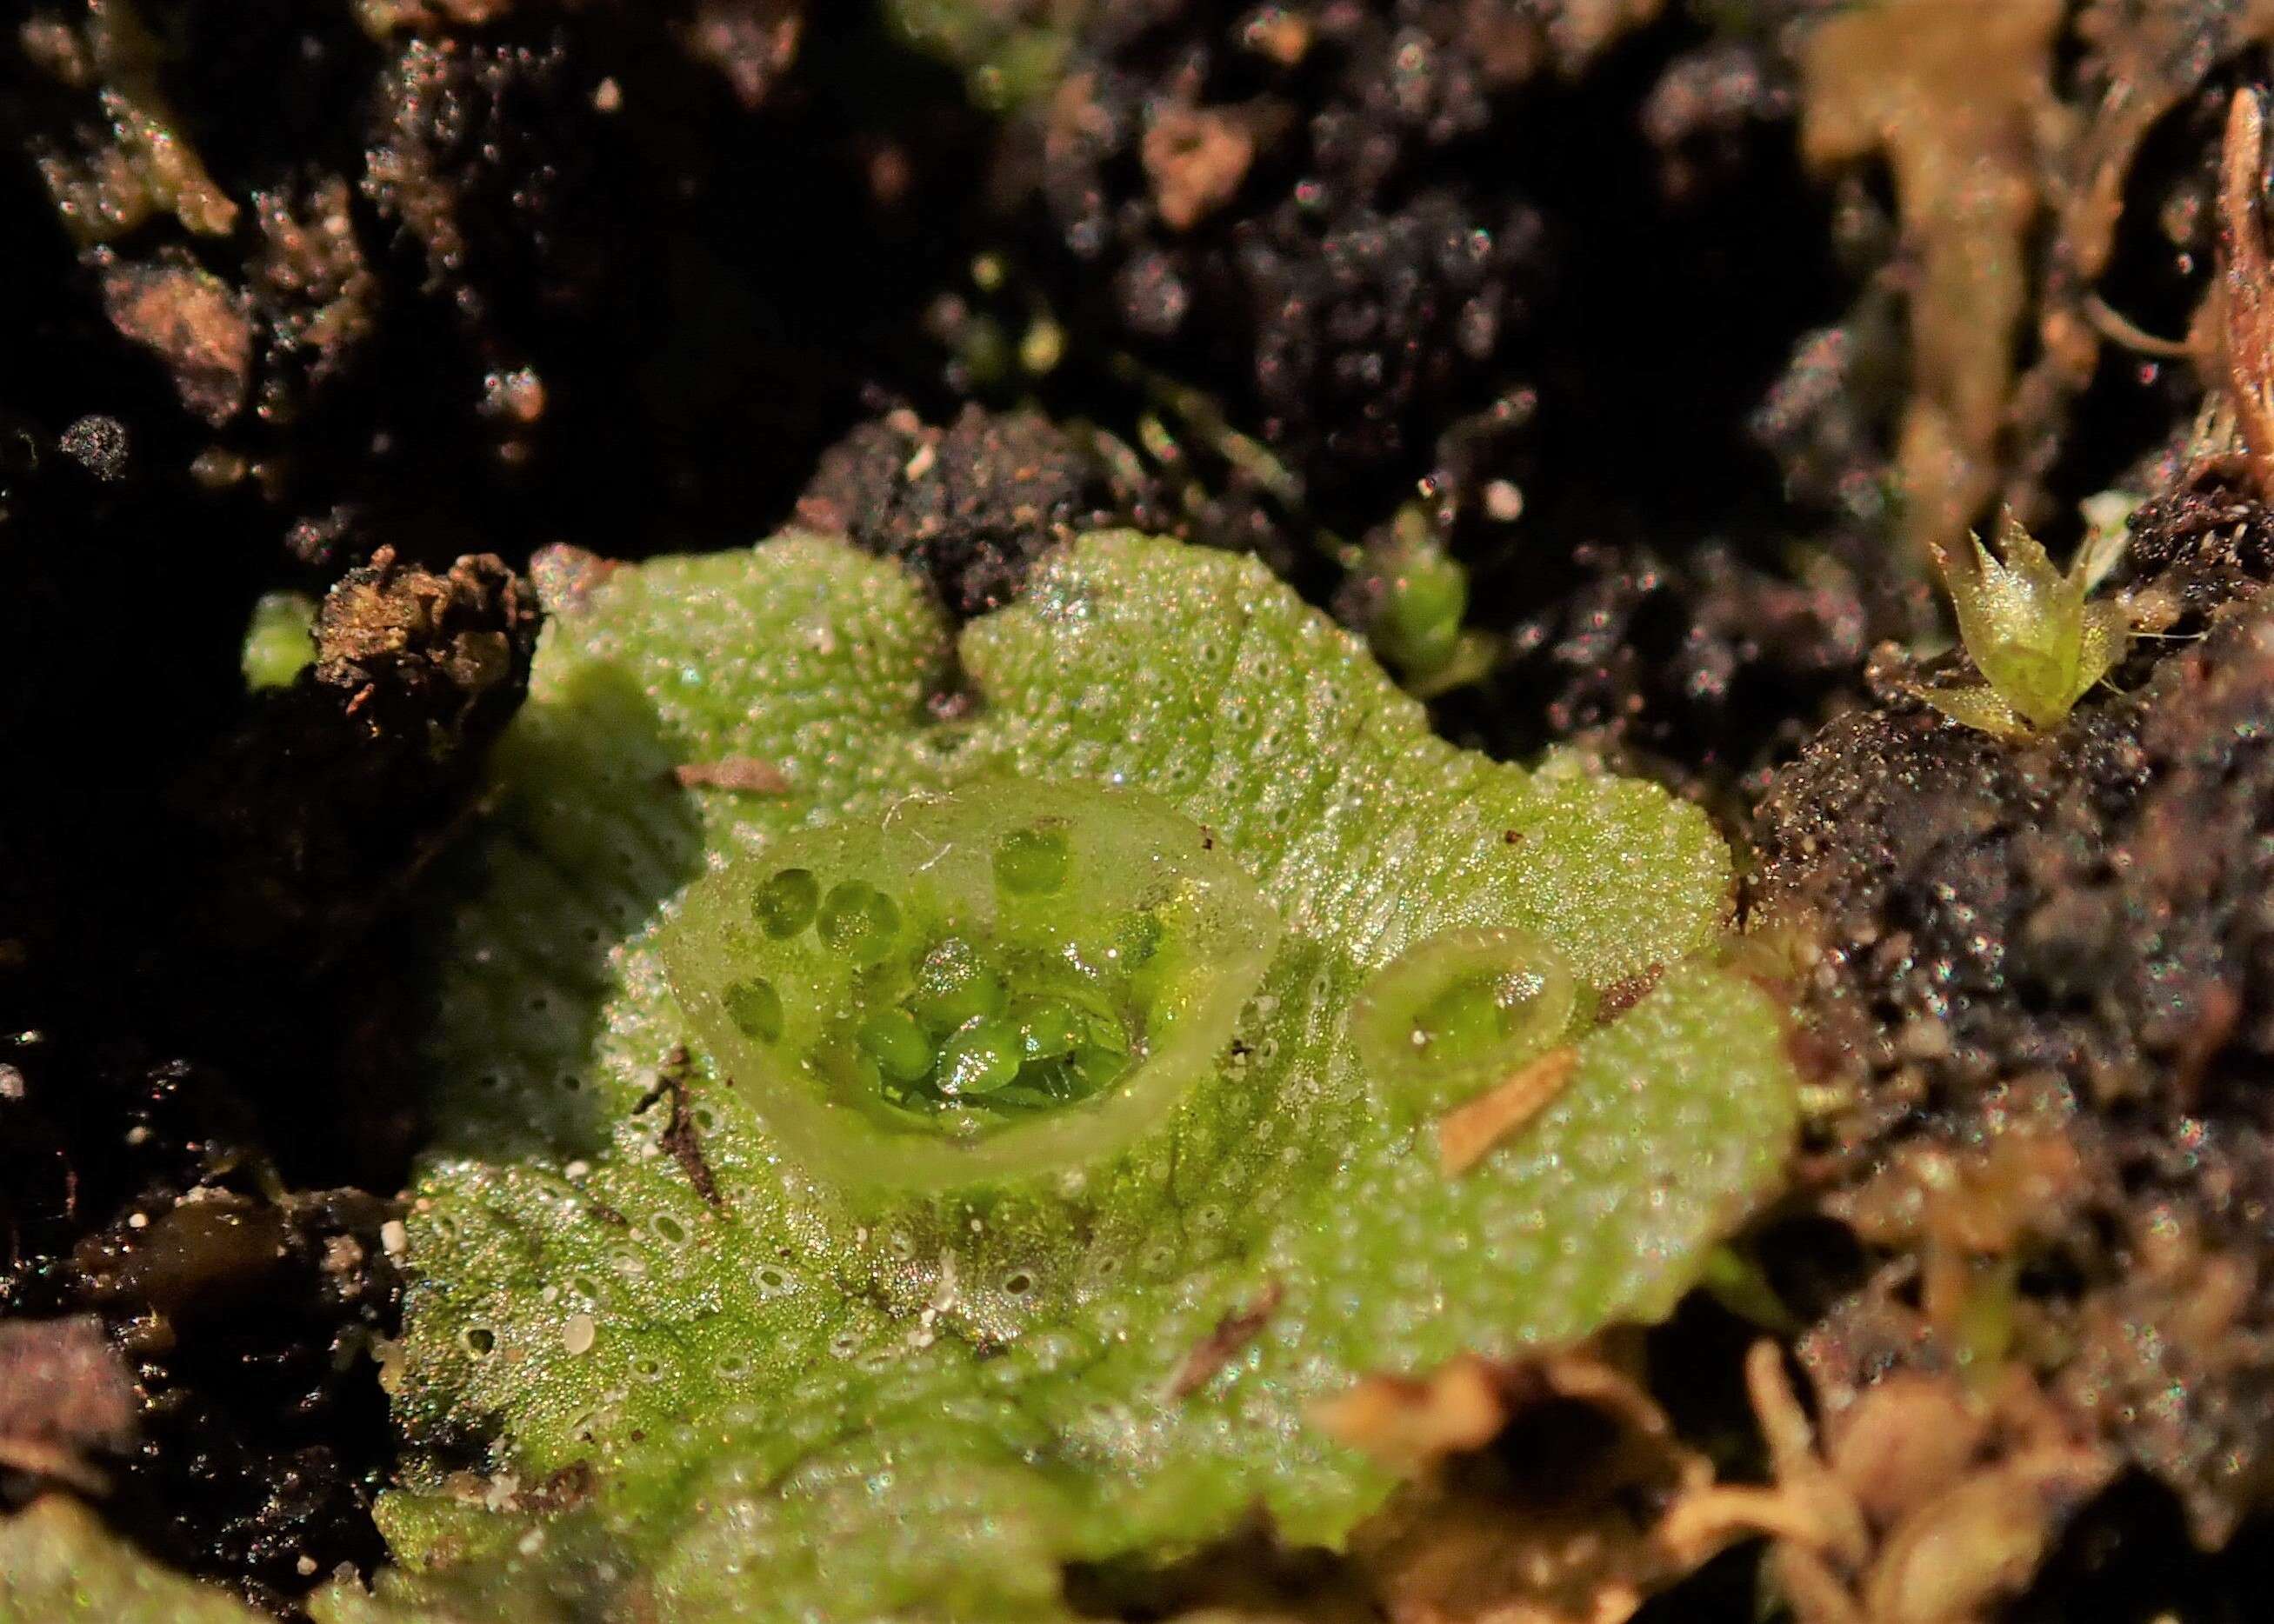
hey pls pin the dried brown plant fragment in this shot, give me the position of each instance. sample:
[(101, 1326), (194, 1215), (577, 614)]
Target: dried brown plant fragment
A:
[(1926, 1501), (1959, 100), (1467, 1135), (1557, 1532)]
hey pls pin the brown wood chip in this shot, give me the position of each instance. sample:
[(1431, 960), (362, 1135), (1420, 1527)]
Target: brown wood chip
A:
[(744, 774), (1467, 1134)]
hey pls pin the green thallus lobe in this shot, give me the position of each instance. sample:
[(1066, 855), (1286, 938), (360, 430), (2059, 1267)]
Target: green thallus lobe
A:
[(1006, 1132)]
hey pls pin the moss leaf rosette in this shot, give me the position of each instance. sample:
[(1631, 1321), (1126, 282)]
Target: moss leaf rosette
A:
[(687, 1252)]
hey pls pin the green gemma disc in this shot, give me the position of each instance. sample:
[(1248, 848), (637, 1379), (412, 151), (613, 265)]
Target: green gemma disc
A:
[(1010, 978), (1460, 1012)]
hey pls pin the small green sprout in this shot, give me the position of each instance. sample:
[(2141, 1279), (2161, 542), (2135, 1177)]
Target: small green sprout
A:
[(2038, 645), (280, 640), (1418, 625)]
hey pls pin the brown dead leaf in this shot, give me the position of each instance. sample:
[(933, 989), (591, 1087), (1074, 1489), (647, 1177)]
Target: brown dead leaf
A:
[(1466, 1134)]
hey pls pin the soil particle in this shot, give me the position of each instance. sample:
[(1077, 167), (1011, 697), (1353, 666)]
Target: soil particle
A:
[(98, 444), (460, 159), (192, 322), (65, 1396), (1196, 157), (1701, 658), (254, 1324), (1279, 210), (2193, 548), (971, 507), (752, 42)]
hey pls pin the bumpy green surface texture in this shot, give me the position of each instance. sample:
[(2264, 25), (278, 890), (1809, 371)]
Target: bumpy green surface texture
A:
[(58, 1564), (790, 1408)]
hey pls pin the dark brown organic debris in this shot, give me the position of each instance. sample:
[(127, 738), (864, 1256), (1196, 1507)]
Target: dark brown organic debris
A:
[(342, 784), (1564, 1520), (680, 1139), (971, 506)]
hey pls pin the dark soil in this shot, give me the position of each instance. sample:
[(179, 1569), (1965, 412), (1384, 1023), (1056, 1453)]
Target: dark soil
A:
[(476, 276), (2044, 972)]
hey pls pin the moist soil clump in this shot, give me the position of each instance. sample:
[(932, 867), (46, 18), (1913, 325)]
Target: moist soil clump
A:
[(2040, 972), (969, 507)]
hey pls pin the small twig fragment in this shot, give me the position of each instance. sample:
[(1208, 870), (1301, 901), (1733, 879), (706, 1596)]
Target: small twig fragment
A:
[(679, 1140), (745, 775), (2247, 281), (1466, 1134), (1232, 1333)]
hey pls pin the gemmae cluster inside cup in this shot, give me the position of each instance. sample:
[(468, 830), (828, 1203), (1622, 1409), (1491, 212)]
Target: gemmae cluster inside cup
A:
[(1010, 978)]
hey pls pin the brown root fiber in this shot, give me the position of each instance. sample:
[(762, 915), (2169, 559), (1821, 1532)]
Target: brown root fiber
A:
[(1958, 99)]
